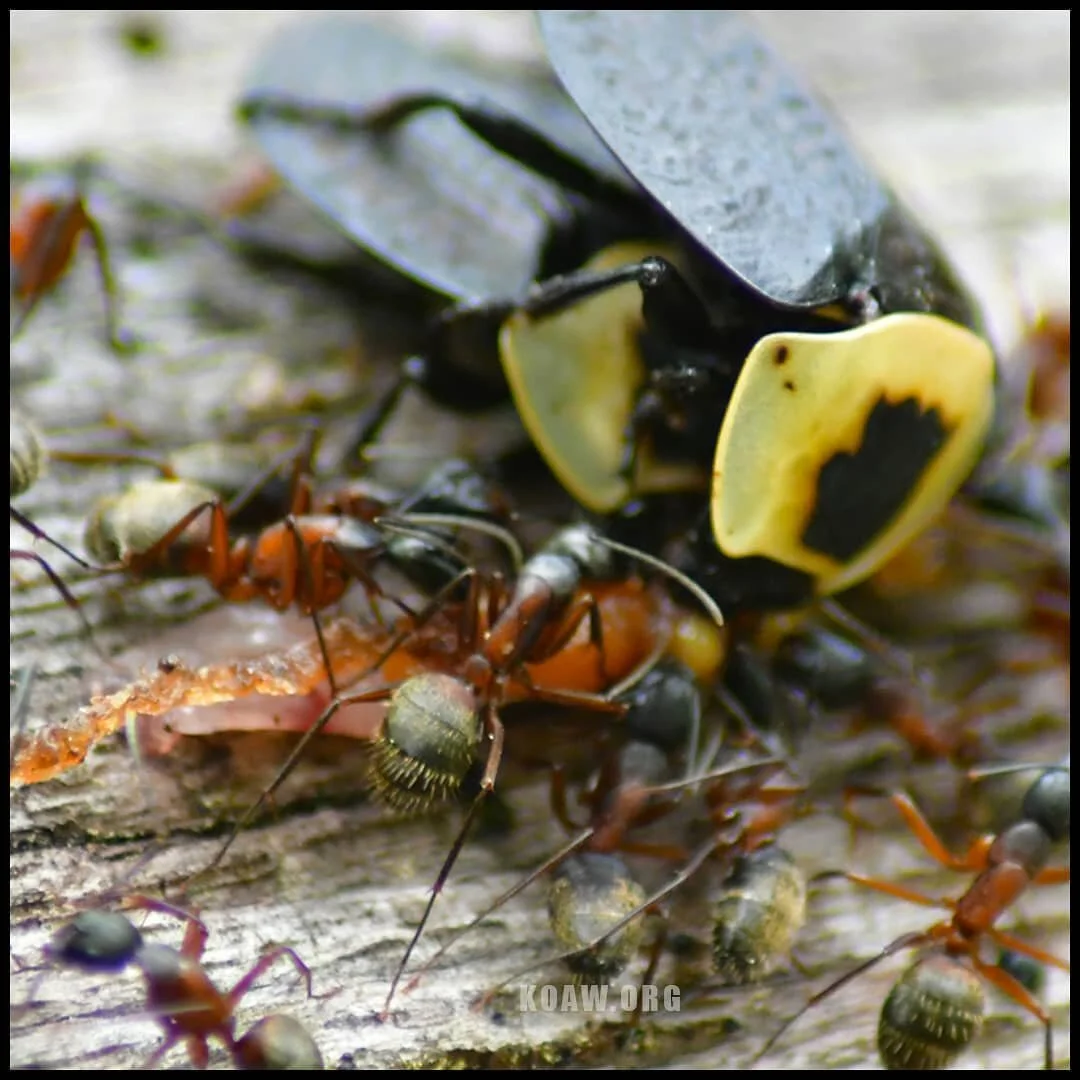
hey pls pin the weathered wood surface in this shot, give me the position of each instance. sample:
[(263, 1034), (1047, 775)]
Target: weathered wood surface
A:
[(968, 115)]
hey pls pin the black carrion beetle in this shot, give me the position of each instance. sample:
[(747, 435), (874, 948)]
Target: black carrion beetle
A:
[(704, 288)]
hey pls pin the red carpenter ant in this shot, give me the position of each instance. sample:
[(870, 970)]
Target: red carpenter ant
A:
[(436, 724), (761, 901), (178, 991), (180, 527), (591, 887), (936, 1007)]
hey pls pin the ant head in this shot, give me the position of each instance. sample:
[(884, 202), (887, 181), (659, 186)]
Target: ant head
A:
[(1048, 803), (587, 549), (664, 707), (96, 941)]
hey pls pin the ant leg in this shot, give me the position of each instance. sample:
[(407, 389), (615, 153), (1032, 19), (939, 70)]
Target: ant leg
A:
[(141, 902), (244, 985), (298, 559), (576, 699), (39, 534), (975, 858), (1008, 985), (373, 419), (69, 597), (45, 249), (198, 1051), (301, 458), (555, 640), (1052, 875), (354, 561), (171, 1039), (905, 941), (114, 457), (217, 547), (548, 864), (195, 938), (429, 611), (855, 822), (899, 891), (120, 341), (303, 468), (656, 950), (496, 734), (458, 369), (380, 693), (905, 714), (1007, 941)]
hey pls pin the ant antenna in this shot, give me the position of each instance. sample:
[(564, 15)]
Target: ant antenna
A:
[(702, 597), (899, 945), (489, 528), (982, 772), (898, 659)]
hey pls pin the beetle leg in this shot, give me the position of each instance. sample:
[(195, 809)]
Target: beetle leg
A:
[(670, 305), (458, 369), (374, 417)]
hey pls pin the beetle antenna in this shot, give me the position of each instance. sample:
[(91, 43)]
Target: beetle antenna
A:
[(703, 598)]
